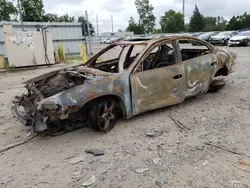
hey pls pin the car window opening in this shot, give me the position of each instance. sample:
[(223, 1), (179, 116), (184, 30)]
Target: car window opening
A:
[(160, 56), (117, 56), (191, 49)]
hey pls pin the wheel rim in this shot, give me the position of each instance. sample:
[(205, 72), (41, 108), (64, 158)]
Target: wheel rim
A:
[(106, 115)]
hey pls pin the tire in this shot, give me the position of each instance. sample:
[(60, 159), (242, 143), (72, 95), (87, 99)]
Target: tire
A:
[(103, 115), (216, 85), (248, 43), (226, 42)]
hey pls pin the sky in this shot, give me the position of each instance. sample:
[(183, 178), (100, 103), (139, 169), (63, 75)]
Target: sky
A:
[(122, 10)]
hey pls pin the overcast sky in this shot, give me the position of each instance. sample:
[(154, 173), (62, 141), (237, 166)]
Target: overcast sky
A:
[(123, 9)]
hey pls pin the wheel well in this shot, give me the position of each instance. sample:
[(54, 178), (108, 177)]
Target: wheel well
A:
[(121, 105), (222, 72)]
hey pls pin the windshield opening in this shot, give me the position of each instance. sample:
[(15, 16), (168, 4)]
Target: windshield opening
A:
[(116, 58), (224, 33), (244, 34)]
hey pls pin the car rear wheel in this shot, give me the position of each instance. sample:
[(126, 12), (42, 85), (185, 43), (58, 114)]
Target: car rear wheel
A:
[(216, 85), (103, 115)]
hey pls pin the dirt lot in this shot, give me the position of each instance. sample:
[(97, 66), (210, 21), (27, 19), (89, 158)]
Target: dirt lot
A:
[(146, 151)]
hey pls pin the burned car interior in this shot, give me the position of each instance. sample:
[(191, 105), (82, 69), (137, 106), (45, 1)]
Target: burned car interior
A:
[(191, 53)]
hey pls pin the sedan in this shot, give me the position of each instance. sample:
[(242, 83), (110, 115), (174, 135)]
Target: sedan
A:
[(242, 39), (123, 80), (223, 37)]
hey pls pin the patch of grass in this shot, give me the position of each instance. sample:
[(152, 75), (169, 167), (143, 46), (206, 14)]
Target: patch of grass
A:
[(8, 67), (60, 53)]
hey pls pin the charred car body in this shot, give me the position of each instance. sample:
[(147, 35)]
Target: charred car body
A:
[(144, 75)]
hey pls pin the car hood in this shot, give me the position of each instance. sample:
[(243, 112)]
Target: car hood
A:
[(92, 71), (239, 37)]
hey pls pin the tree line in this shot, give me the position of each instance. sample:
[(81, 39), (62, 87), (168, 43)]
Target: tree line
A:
[(173, 22), (33, 11)]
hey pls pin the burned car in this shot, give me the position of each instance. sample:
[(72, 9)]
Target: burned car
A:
[(123, 80)]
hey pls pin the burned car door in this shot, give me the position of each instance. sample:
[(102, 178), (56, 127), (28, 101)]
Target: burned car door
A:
[(158, 80), (199, 65)]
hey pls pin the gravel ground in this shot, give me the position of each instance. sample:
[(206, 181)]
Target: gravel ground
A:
[(146, 151)]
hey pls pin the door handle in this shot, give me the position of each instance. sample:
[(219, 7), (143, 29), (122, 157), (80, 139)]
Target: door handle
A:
[(212, 64), (177, 77)]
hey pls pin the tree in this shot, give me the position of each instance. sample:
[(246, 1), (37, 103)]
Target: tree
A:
[(214, 23), (83, 20), (157, 31), (146, 16), (172, 22), (239, 22), (210, 23), (221, 23), (134, 27), (7, 9), (50, 18), (32, 10), (66, 18), (196, 22)]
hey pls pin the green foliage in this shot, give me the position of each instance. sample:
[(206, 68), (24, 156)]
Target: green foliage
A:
[(210, 23), (83, 20), (172, 22), (60, 53), (221, 24), (32, 10), (50, 18), (197, 21), (214, 23), (7, 9), (157, 31), (66, 18), (134, 27), (239, 22), (146, 16)]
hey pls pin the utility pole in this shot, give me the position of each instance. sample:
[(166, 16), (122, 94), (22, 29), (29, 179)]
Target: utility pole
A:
[(20, 13), (183, 9), (90, 42), (183, 12), (112, 23), (97, 26)]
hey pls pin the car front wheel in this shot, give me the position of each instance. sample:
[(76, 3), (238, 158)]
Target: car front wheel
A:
[(226, 42), (103, 115)]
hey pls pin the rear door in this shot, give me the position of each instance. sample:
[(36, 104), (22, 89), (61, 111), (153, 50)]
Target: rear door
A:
[(199, 65)]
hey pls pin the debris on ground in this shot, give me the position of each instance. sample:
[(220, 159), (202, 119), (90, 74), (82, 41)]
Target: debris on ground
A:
[(156, 161), (17, 144), (158, 183), (95, 152), (89, 181), (76, 160), (244, 163), (179, 124), (243, 169), (141, 170), (228, 150)]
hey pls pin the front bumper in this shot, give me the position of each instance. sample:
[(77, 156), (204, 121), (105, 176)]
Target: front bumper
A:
[(26, 109), (237, 43), (217, 41)]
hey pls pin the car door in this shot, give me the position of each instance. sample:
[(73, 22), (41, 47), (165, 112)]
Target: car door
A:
[(199, 65), (159, 86)]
